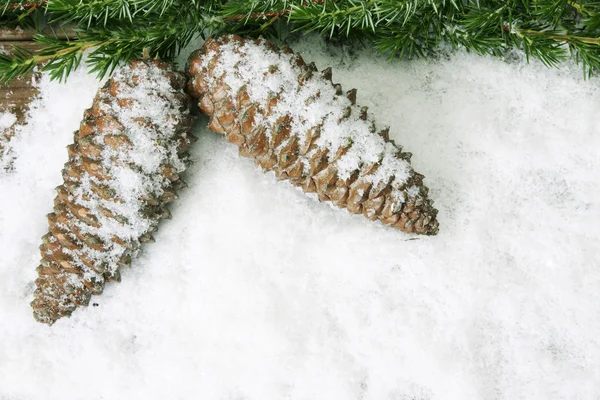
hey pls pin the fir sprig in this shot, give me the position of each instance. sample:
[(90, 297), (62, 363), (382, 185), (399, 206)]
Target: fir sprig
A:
[(109, 40), (548, 30), (105, 12), (116, 30)]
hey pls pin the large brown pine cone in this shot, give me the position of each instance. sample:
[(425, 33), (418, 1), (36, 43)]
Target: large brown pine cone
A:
[(294, 121), (123, 169)]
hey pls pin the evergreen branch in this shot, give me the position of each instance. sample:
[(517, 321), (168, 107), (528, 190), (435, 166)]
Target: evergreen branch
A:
[(109, 48), (122, 44), (113, 32), (103, 12), (255, 16), (237, 10), (331, 17), (586, 10), (60, 57), (540, 46), (116, 30), (560, 38), (588, 57)]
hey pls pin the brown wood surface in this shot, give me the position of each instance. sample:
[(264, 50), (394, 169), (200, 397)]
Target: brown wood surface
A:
[(27, 34), (17, 94)]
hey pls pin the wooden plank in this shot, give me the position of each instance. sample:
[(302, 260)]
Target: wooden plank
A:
[(22, 82), (16, 96), (27, 34), (15, 34), (11, 97), (27, 45)]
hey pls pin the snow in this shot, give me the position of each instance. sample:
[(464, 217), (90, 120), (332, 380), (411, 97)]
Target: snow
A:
[(255, 291), (7, 119)]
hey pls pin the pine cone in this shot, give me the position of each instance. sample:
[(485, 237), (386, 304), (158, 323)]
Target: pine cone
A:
[(292, 120), (123, 169)]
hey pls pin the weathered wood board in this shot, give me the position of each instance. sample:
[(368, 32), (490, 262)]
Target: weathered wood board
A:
[(15, 98), (18, 93)]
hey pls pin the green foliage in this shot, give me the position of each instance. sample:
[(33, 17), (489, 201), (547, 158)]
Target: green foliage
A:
[(117, 30), (549, 30), (113, 31)]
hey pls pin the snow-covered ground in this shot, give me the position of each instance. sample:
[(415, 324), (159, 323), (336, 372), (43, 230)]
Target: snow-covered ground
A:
[(255, 291)]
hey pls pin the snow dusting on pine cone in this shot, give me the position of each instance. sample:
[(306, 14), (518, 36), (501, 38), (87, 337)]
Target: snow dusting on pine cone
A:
[(123, 169), (294, 121)]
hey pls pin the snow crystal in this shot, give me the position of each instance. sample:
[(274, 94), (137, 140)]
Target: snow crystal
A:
[(254, 291)]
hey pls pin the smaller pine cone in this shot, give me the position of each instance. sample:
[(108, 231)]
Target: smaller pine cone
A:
[(294, 121), (123, 169)]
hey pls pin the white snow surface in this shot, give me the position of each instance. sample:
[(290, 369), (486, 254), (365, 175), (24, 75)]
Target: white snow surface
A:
[(256, 291), (6, 120)]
